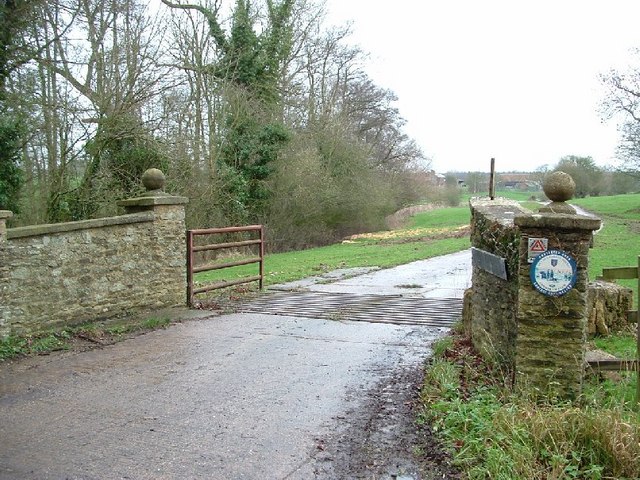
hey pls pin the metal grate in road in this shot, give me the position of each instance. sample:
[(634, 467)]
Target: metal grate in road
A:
[(436, 312)]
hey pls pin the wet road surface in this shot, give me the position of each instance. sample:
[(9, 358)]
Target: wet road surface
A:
[(241, 396), (447, 276)]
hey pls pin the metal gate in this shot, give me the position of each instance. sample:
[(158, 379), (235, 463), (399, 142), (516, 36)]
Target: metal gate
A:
[(192, 249)]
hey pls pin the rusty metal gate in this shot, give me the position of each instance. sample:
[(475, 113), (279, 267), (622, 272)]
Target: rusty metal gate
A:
[(193, 288)]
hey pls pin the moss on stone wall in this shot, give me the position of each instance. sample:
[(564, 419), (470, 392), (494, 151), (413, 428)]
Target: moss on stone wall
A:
[(493, 300)]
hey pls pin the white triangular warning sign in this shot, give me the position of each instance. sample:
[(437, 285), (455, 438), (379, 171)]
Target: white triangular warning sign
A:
[(538, 246)]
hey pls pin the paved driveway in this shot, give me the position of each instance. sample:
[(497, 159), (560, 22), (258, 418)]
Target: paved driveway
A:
[(242, 396)]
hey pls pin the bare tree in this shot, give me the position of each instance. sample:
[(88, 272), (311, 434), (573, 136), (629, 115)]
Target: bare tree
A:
[(97, 62), (623, 101)]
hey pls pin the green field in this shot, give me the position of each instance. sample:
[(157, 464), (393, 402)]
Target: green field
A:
[(432, 233), (617, 244), (620, 206), (442, 217)]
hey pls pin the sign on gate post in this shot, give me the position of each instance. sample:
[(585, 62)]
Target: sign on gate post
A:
[(536, 246), (553, 273), (552, 293)]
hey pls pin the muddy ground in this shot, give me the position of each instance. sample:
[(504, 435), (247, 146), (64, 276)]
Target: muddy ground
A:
[(382, 439)]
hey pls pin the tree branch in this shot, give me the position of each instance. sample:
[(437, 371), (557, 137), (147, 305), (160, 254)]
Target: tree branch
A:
[(212, 17)]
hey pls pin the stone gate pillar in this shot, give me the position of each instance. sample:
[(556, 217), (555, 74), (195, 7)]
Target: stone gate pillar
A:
[(168, 246), (552, 293), (4, 216)]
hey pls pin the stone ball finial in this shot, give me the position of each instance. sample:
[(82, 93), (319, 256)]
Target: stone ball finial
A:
[(559, 187), (153, 179)]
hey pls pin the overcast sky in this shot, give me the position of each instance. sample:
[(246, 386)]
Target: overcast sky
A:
[(513, 80)]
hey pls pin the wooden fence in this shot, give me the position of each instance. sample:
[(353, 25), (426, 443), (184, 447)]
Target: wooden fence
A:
[(624, 273)]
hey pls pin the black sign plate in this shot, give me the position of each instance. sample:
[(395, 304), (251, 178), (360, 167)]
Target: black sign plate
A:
[(489, 262)]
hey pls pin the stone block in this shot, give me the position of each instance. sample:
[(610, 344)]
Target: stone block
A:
[(607, 307), (492, 318)]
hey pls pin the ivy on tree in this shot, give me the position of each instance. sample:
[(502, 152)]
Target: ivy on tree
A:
[(249, 67), (11, 126)]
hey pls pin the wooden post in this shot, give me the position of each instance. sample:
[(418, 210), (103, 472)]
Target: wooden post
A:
[(492, 180), (628, 273)]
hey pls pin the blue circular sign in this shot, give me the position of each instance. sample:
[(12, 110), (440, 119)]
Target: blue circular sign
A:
[(553, 273)]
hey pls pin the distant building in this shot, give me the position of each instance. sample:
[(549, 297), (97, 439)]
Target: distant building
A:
[(435, 179), (518, 181)]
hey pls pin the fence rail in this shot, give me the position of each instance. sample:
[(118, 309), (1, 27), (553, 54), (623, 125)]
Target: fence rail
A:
[(192, 249), (624, 273)]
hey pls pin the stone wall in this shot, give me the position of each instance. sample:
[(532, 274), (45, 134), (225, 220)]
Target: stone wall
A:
[(492, 302), (607, 307), (70, 273)]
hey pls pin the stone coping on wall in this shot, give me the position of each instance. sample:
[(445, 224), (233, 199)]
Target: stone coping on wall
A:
[(4, 214), (501, 210), (561, 221), (151, 201), (47, 229)]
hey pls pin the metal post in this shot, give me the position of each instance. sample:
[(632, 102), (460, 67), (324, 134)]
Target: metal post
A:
[(261, 257), (189, 268), (193, 269)]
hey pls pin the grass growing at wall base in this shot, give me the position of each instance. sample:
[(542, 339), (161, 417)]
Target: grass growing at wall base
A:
[(64, 339), (14, 346)]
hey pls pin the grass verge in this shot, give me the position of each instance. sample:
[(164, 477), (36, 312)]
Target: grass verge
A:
[(92, 333), (493, 433)]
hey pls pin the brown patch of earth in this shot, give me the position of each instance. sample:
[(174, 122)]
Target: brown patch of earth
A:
[(381, 439), (634, 227)]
